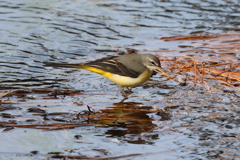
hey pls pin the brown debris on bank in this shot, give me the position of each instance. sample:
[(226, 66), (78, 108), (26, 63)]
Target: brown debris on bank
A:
[(208, 57)]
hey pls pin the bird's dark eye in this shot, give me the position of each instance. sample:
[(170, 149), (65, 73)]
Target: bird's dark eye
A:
[(152, 62)]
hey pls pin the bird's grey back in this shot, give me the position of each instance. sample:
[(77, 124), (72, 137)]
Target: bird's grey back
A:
[(132, 61)]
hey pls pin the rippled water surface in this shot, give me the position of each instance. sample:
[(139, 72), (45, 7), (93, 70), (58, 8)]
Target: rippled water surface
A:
[(72, 31), (33, 32)]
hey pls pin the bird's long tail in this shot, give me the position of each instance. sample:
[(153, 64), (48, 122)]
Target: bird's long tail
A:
[(77, 65)]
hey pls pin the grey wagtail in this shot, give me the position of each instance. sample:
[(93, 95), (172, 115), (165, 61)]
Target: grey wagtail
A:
[(129, 70)]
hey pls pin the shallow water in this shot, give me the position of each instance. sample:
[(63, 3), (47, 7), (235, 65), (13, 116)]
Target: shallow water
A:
[(34, 32)]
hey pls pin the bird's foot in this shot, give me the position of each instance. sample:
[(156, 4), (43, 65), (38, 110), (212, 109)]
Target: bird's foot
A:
[(125, 98)]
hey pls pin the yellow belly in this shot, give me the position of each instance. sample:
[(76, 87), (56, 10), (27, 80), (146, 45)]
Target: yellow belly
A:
[(131, 82)]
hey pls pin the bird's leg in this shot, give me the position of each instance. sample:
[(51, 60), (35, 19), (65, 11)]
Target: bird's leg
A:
[(129, 90), (123, 92)]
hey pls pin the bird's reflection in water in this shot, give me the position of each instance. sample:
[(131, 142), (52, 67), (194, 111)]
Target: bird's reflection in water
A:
[(128, 120)]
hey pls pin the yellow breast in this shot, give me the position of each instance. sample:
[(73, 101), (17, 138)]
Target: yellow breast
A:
[(131, 82)]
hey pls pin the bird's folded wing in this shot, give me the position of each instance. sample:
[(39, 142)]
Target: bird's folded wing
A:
[(110, 64)]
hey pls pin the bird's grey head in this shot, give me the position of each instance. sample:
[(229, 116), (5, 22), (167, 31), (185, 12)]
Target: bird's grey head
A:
[(151, 62)]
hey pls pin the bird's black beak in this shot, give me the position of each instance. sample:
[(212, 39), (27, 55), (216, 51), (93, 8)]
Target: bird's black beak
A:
[(162, 71)]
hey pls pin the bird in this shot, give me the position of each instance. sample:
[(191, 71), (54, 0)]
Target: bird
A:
[(128, 70)]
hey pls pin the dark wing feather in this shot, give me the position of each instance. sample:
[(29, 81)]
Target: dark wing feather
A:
[(126, 71), (110, 64)]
